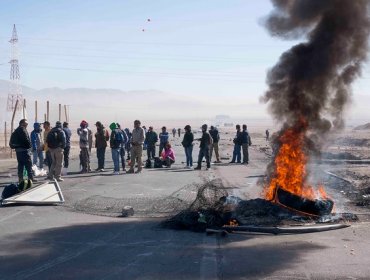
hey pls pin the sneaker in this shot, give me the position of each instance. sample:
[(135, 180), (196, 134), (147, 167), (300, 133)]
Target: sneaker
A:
[(130, 171), (60, 179), (116, 173), (138, 171), (232, 162), (97, 169), (198, 168), (101, 170), (218, 161)]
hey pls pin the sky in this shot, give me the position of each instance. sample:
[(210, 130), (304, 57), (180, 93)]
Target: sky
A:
[(209, 49)]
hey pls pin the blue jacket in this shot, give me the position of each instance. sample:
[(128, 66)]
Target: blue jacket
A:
[(68, 134), (163, 137)]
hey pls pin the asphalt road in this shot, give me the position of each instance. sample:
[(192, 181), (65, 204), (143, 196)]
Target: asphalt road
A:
[(65, 242)]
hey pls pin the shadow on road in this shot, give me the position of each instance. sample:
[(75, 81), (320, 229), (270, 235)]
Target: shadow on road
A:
[(140, 250)]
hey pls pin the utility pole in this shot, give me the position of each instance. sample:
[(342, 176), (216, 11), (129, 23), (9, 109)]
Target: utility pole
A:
[(60, 112), (36, 111), (15, 91)]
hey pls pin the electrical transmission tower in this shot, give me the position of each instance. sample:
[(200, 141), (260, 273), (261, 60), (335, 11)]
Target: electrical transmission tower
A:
[(15, 90)]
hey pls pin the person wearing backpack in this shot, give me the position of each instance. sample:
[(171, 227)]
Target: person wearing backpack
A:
[(56, 141), (116, 140), (83, 132), (47, 129), (21, 142)]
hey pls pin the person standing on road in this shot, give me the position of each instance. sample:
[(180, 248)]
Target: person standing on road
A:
[(179, 132), (128, 144), (83, 132), (187, 143), (122, 151), (56, 141), (205, 143), (237, 146), (246, 142), (67, 148), (37, 145), (216, 138), (47, 129), (267, 134), (151, 139), (174, 132), (21, 142), (116, 139), (138, 138), (163, 139), (101, 138)]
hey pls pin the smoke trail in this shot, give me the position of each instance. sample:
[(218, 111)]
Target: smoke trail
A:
[(313, 79)]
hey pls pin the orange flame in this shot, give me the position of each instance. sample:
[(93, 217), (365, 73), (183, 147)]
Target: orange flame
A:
[(290, 168)]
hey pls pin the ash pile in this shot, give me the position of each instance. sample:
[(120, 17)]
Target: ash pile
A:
[(214, 208)]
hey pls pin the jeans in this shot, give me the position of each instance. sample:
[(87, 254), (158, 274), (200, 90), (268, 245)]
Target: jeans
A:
[(189, 155), (237, 153), (66, 156), (122, 153), (100, 154), (151, 151), (24, 161), (115, 158), (204, 152), (38, 155)]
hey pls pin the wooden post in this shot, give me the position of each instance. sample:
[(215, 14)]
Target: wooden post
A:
[(36, 111), (60, 112), (65, 112), (47, 111), (12, 124), (5, 136)]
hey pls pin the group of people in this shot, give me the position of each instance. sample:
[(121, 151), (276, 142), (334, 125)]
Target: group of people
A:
[(124, 144)]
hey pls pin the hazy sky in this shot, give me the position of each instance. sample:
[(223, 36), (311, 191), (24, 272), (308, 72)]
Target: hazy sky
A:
[(209, 49)]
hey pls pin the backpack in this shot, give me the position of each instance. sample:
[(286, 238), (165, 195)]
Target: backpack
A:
[(9, 191), (54, 138), (118, 136), (157, 163), (148, 163)]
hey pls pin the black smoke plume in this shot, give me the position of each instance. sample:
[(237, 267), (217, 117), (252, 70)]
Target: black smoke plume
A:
[(313, 79)]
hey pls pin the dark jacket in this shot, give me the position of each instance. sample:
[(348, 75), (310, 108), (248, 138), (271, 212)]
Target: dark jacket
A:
[(206, 140), (151, 138), (246, 139), (101, 138), (56, 138), (238, 140), (68, 134), (20, 140), (215, 135), (188, 139)]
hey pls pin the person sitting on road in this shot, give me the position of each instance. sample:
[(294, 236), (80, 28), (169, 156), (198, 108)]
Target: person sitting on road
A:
[(168, 156)]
